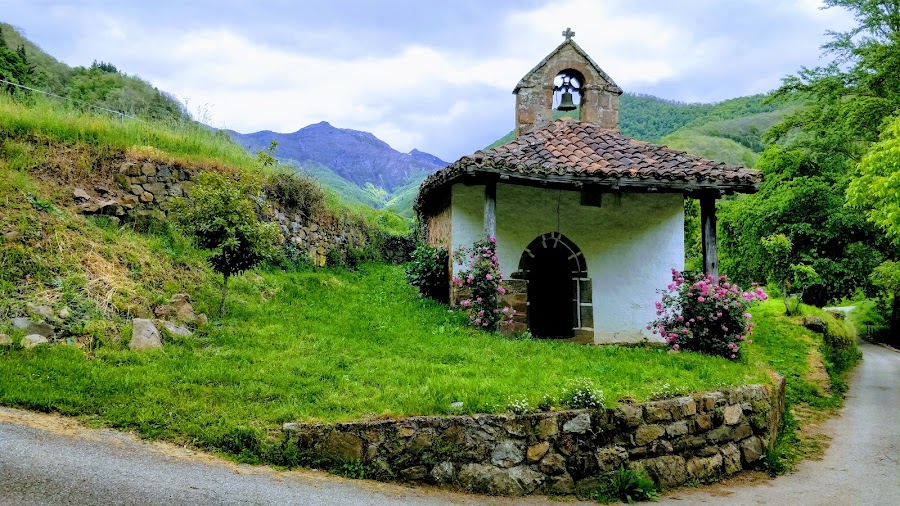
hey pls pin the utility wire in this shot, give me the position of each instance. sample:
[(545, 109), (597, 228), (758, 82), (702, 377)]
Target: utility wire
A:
[(120, 114)]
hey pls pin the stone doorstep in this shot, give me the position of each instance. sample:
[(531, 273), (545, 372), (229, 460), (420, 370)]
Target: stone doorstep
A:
[(552, 452)]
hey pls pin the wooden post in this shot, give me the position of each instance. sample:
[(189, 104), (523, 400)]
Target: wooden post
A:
[(490, 209), (708, 229)]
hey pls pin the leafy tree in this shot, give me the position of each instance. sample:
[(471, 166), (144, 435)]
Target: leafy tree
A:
[(808, 172), (14, 65), (221, 216)]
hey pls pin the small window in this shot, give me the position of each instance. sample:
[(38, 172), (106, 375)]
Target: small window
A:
[(591, 198)]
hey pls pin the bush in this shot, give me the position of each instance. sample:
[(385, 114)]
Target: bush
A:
[(334, 257), (295, 192), (630, 486), (700, 314), (483, 278), (429, 271)]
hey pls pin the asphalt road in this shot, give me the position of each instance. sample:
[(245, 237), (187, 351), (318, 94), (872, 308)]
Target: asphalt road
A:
[(50, 460), (862, 463)]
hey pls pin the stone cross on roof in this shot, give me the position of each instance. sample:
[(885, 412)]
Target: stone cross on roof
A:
[(568, 34)]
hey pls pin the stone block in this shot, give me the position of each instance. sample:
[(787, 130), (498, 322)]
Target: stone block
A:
[(32, 340), (611, 458), (708, 402), (678, 428), (732, 414), (146, 197), (631, 415), (508, 453), (683, 407), (731, 459), (659, 411), (129, 169), (414, 473), (704, 468), (742, 431), (552, 463), (562, 484), (646, 434), (751, 450), (578, 425), (148, 169), (720, 434), (157, 189), (703, 422), (163, 172), (667, 471), (443, 473), (144, 335), (491, 480), (341, 447), (537, 452)]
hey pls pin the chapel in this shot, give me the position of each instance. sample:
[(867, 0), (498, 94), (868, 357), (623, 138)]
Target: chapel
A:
[(589, 223)]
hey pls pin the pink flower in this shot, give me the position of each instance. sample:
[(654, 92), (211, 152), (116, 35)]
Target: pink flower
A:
[(478, 299), (489, 277), (701, 299), (501, 289), (675, 346), (733, 355), (467, 303), (506, 309), (493, 240)]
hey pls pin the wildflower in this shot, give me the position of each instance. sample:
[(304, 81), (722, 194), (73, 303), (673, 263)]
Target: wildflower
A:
[(501, 289), (506, 309), (675, 346), (489, 277)]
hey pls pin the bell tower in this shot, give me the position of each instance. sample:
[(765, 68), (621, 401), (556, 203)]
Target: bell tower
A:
[(566, 83)]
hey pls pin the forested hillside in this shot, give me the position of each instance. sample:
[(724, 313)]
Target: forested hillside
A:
[(102, 84)]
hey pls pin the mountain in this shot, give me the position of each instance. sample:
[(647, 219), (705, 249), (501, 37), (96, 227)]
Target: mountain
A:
[(356, 156)]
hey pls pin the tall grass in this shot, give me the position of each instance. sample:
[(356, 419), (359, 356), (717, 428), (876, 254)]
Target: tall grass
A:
[(47, 119)]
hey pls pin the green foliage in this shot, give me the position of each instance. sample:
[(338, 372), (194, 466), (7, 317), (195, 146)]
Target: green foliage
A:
[(706, 315), (429, 271), (295, 192), (629, 486), (14, 65), (221, 216), (582, 393), (804, 203), (876, 186), (482, 279)]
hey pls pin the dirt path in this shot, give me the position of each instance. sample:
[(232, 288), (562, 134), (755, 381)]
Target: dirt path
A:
[(862, 463)]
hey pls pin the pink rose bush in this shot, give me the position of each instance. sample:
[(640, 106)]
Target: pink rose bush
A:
[(699, 313), (482, 276)]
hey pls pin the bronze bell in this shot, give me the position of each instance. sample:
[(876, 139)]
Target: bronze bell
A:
[(566, 103)]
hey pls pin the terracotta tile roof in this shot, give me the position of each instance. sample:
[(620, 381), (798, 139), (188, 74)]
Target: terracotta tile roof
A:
[(568, 151)]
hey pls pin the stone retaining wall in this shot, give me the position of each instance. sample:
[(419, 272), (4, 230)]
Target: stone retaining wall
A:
[(700, 437), (143, 189)]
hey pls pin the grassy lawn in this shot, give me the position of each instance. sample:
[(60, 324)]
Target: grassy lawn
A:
[(333, 345)]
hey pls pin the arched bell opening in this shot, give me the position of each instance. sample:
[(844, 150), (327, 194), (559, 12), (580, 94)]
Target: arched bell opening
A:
[(568, 94), (559, 290)]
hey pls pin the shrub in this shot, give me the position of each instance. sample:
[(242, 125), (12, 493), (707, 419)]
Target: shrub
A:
[(429, 271), (483, 278), (295, 192), (630, 486), (698, 313), (334, 257), (221, 217)]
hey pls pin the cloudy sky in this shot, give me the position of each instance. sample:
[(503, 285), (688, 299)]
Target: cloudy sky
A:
[(432, 75)]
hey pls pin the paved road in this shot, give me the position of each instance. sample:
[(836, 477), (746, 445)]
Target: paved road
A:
[(48, 460), (861, 465)]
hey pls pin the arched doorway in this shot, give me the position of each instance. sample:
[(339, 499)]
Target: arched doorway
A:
[(559, 291)]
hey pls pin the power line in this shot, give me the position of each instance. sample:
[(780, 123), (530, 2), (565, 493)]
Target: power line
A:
[(120, 114)]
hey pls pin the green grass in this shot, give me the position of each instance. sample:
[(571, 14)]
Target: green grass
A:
[(49, 120), (336, 345)]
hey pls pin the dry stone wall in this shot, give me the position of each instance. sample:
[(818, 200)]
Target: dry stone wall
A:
[(701, 437), (144, 189)]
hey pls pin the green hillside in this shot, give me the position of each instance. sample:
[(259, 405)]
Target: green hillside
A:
[(102, 84)]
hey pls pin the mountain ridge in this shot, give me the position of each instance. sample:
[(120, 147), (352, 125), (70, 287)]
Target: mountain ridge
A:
[(355, 155)]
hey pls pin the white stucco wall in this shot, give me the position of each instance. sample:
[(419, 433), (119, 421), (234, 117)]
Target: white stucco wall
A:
[(630, 243)]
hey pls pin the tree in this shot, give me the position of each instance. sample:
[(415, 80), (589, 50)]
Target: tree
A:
[(808, 170), (221, 216)]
